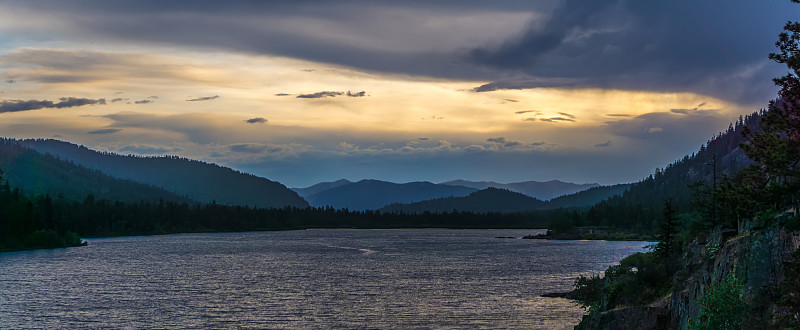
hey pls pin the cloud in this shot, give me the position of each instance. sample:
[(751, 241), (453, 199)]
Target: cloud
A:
[(251, 148), (327, 94), (282, 94), (145, 101), (148, 149), (207, 98), (557, 119), (604, 144), (679, 45), (359, 94), (423, 139), (511, 100), (474, 147), (618, 115), (104, 131), (634, 45), (257, 150), (527, 111), (566, 115), (683, 111), (119, 99), (65, 102), (318, 95), (675, 129), (503, 143), (256, 120), (11, 81), (530, 119)]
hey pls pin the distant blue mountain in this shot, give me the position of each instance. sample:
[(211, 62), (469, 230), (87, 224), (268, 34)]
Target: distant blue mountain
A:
[(539, 190), (320, 187), (374, 194), (483, 201)]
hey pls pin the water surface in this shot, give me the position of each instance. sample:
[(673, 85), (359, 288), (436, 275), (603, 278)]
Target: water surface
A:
[(303, 279)]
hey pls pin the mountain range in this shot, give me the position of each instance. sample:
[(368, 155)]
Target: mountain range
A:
[(374, 194), (536, 189)]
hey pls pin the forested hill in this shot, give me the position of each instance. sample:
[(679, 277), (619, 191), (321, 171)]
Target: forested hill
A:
[(37, 174), (374, 194), (588, 197), (484, 201), (197, 180), (640, 205), (540, 190)]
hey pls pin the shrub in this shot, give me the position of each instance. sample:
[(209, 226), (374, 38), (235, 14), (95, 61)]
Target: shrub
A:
[(721, 307)]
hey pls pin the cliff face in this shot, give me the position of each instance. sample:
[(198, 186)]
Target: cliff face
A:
[(755, 258)]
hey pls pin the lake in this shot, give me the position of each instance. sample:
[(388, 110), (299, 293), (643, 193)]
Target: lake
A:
[(303, 279)]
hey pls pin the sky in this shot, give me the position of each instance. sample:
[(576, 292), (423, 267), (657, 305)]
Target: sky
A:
[(593, 91)]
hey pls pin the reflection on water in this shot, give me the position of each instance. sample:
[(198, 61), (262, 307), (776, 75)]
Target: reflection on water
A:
[(303, 279)]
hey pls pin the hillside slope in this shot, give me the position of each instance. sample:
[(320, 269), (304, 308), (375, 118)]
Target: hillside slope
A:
[(483, 201), (37, 174), (198, 180), (374, 194), (320, 187), (539, 190)]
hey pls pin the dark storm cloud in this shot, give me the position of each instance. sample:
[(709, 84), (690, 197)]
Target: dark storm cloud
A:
[(256, 120), (104, 131), (65, 102), (319, 95), (207, 98), (682, 45)]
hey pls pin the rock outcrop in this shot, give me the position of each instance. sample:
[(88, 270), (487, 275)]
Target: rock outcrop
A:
[(755, 258)]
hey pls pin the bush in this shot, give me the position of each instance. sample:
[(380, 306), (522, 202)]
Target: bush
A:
[(721, 307)]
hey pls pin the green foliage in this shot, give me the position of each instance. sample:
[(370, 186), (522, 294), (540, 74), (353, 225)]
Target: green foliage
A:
[(638, 279), (588, 291), (721, 307)]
